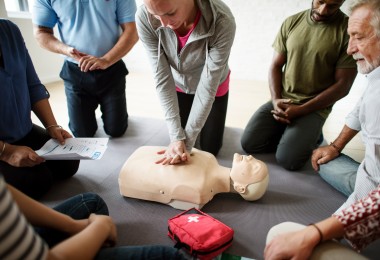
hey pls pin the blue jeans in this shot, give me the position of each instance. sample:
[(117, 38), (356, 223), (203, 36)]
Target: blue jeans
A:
[(293, 143), (78, 207), (340, 173), (140, 252), (86, 90)]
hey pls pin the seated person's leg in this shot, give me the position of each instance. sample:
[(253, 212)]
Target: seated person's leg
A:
[(211, 136), (340, 173), (324, 251), (299, 140), (33, 181), (80, 206), (62, 169), (140, 252), (263, 132)]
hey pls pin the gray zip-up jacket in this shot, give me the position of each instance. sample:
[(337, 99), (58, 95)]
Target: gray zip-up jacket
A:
[(199, 68)]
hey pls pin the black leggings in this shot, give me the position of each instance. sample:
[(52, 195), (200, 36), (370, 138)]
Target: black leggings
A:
[(36, 181), (211, 136)]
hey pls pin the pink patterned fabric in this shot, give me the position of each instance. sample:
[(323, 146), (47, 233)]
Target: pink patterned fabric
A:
[(361, 220)]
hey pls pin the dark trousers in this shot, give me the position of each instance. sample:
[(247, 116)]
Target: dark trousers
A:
[(36, 181), (210, 138), (86, 90), (293, 143)]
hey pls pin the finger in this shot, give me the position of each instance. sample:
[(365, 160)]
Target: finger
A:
[(161, 152), (184, 157), (88, 65), (67, 135), (314, 164), (166, 161), (93, 66), (60, 137), (176, 159), (321, 161), (160, 161)]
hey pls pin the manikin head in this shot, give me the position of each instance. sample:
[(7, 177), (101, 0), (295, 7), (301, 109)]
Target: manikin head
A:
[(249, 176), (364, 31)]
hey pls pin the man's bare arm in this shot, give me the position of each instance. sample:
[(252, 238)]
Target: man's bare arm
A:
[(47, 40), (275, 75), (344, 79), (126, 41)]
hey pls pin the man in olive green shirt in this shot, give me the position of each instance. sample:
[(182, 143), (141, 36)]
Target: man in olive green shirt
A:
[(310, 71)]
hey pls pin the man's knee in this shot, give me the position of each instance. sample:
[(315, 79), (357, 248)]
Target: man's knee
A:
[(82, 131), (249, 145), (338, 177), (116, 130), (290, 161)]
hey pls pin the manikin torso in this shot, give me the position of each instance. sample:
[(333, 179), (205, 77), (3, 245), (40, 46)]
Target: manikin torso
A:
[(191, 184)]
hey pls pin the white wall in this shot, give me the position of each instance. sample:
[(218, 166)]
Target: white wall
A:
[(257, 24)]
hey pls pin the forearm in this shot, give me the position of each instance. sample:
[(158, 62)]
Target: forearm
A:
[(43, 111), (83, 245), (344, 137), (126, 41), (330, 228), (40, 215), (341, 87), (275, 82), (324, 99), (46, 39)]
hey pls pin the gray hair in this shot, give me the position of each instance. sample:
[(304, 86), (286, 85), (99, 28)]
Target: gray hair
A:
[(374, 6)]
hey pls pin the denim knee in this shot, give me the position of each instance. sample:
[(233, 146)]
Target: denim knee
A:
[(95, 203), (340, 173)]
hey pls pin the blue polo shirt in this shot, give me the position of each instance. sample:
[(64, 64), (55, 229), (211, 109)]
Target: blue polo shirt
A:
[(90, 26), (20, 86)]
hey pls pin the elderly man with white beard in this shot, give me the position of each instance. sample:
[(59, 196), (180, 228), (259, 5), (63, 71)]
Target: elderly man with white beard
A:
[(358, 219), (342, 172)]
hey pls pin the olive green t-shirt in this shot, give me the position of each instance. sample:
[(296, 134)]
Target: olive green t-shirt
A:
[(314, 51)]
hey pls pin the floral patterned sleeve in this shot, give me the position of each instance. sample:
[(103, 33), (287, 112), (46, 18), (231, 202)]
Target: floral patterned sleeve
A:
[(361, 220)]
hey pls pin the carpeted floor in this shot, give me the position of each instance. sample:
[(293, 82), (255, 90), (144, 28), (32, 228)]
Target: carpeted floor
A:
[(300, 196)]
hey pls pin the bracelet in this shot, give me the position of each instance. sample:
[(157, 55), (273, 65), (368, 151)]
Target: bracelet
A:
[(50, 126), (319, 232), (3, 149), (335, 147)]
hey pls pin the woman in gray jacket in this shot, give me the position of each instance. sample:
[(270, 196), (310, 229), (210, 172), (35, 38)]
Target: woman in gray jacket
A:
[(188, 44)]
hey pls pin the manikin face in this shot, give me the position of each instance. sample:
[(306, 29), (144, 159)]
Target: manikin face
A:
[(323, 10), (364, 44), (246, 170), (172, 13)]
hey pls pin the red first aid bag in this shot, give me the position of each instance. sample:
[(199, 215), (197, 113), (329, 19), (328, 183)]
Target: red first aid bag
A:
[(201, 235)]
